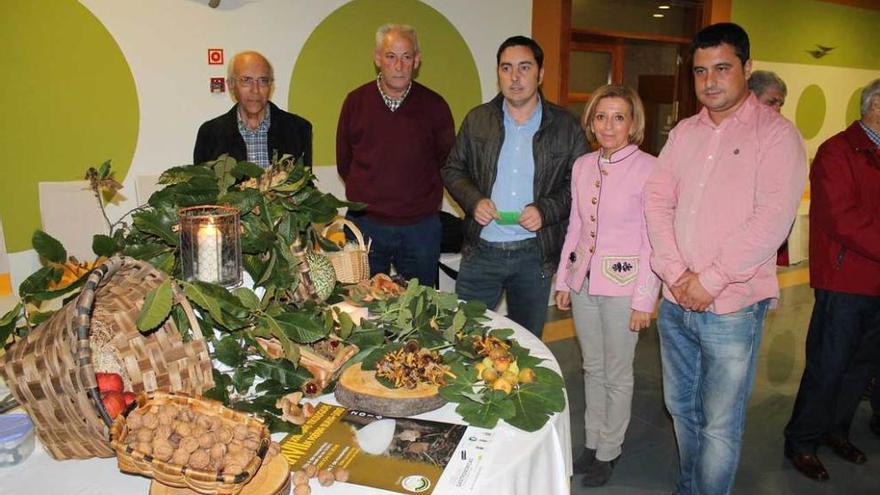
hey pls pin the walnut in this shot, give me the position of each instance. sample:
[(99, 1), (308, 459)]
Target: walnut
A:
[(234, 446), (232, 468), (206, 440), (189, 444), (325, 477), (252, 445), (196, 430), (204, 422), (162, 431), (240, 432), (218, 450), (241, 457), (150, 421), (341, 474), (183, 429), (144, 447), (199, 459), (135, 420), (162, 450), (186, 415), (165, 419), (311, 470), (216, 423), (302, 490), (180, 457), (300, 478), (224, 434), (144, 435)]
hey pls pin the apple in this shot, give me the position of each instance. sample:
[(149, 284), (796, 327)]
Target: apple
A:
[(109, 382), (129, 397), (114, 402)]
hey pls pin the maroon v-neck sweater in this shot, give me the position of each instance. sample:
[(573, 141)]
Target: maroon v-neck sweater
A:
[(391, 160)]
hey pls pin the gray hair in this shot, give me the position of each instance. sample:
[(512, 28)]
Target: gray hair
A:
[(760, 80), (871, 91), (230, 68), (405, 29)]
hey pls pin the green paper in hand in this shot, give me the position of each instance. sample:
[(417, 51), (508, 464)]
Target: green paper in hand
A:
[(507, 217)]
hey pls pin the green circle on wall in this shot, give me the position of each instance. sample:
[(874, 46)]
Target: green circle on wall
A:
[(338, 57), (810, 112), (854, 107), (69, 103)]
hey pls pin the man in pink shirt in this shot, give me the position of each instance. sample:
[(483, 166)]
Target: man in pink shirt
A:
[(722, 198)]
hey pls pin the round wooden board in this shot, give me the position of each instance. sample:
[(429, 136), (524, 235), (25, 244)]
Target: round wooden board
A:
[(271, 479), (359, 389)]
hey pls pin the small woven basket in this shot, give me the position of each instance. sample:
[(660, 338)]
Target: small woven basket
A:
[(351, 266), (174, 475), (52, 375)]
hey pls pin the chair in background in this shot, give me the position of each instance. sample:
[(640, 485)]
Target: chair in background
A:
[(70, 213), (144, 187)]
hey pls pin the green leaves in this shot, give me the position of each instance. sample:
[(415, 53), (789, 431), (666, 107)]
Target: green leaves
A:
[(104, 245), (535, 402), (486, 414), (39, 281), (8, 323), (158, 223), (48, 247), (156, 308), (301, 327)]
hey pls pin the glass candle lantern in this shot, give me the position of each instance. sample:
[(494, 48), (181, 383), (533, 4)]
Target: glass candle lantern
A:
[(210, 244)]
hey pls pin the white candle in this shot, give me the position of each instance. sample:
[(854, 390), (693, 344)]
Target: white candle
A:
[(210, 248)]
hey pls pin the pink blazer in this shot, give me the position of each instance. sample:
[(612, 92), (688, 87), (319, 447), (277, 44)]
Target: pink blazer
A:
[(607, 234)]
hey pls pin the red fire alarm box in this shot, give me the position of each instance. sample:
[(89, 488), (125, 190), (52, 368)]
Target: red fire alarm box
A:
[(218, 85), (215, 56)]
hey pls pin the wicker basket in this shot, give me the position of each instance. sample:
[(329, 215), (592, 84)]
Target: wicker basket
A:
[(52, 375), (167, 473), (351, 266)]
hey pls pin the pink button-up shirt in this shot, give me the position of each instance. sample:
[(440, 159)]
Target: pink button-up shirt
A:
[(722, 199)]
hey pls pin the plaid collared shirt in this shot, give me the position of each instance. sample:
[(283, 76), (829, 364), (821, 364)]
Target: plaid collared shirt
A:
[(256, 141), (872, 134), (393, 103)]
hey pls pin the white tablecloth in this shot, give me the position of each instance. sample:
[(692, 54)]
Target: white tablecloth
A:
[(520, 462)]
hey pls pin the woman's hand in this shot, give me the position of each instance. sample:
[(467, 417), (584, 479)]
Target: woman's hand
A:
[(638, 320), (563, 300)]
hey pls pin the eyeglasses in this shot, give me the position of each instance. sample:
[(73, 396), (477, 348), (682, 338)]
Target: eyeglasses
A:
[(248, 81)]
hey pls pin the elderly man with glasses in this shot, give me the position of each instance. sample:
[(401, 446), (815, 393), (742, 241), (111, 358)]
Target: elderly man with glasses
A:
[(254, 129)]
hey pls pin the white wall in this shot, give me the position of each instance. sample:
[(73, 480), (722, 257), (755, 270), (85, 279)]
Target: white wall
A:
[(165, 43)]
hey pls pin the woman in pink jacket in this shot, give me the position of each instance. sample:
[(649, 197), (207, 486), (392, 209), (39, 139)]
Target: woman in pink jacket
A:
[(604, 275)]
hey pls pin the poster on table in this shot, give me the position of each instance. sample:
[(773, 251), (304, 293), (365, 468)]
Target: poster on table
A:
[(399, 455)]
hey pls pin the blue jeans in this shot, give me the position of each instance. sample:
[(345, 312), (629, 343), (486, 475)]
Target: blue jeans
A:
[(413, 249), (708, 370), (514, 267), (843, 345)]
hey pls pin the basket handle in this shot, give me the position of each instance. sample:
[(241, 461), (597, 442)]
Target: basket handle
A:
[(351, 226), (85, 302)]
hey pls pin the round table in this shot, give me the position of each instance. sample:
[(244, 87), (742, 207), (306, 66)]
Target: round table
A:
[(518, 462)]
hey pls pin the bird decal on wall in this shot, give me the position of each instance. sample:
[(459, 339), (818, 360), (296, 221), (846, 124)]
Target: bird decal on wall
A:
[(821, 51)]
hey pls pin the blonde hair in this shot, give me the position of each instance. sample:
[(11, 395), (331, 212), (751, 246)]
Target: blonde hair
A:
[(637, 110)]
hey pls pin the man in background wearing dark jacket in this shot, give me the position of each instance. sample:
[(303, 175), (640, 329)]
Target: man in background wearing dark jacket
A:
[(843, 342), (510, 171), (254, 129)]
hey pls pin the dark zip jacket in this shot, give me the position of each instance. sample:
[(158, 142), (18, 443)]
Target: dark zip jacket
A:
[(471, 168)]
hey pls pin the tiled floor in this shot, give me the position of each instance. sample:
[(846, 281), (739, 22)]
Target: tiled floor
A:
[(649, 461)]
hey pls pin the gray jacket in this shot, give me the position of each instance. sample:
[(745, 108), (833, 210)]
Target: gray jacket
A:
[(471, 168)]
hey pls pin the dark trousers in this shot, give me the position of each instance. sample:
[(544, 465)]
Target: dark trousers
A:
[(413, 249), (843, 342), (510, 267)]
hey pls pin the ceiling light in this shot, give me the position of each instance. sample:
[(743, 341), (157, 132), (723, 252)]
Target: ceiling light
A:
[(658, 15), (663, 7)]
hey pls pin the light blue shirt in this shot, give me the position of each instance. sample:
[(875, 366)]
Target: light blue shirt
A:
[(514, 180)]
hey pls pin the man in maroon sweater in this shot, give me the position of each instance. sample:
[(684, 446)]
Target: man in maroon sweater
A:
[(393, 136)]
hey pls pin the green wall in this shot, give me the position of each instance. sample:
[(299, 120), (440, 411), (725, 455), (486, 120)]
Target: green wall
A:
[(786, 30), (69, 102)]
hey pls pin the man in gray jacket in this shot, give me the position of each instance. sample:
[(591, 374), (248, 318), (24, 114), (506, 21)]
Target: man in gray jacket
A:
[(510, 171)]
